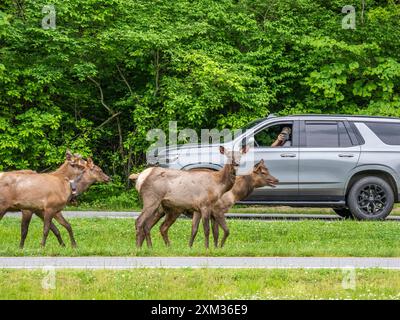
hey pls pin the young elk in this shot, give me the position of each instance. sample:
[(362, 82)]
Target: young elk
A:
[(91, 174), (244, 185), (44, 194), (194, 191), (242, 188)]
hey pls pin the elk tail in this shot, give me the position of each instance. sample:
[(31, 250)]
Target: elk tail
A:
[(134, 176)]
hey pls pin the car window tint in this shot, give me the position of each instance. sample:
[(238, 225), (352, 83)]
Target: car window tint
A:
[(344, 138), (322, 135), (388, 132)]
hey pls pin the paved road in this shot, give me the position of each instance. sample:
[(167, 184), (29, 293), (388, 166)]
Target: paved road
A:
[(196, 262), (249, 216)]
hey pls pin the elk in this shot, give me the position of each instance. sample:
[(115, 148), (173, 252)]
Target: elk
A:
[(194, 191), (243, 186), (91, 174), (44, 194)]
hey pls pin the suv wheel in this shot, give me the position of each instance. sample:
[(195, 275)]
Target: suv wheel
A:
[(344, 213), (370, 198)]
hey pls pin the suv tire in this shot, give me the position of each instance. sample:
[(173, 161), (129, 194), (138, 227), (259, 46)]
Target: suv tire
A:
[(370, 198), (344, 213)]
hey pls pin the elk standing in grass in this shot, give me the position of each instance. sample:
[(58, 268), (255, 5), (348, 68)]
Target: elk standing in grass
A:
[(44, 194), (244, 185), (194, 191), (90, 175)]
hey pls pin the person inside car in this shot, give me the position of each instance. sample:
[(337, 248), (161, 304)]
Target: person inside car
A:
[(283, 139)]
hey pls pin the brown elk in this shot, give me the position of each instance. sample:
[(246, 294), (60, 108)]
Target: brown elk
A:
[(44, 194), (194, 191), (91, 174), (244, 185), (242, 188)]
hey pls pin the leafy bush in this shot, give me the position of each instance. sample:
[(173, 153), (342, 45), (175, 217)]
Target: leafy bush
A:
[(112, 196), (113, 69)]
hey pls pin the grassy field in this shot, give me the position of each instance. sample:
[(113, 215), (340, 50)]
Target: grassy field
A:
[(195, 284), (101, 198), (234, 209), (284, 209), (115, 237)]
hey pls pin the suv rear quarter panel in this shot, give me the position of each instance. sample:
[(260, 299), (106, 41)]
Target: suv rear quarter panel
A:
[(376, 155)]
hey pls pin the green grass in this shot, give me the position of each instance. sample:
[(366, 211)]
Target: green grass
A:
[(201, 284), (115, 237), (289, 210), (115, 197), (124, 203)]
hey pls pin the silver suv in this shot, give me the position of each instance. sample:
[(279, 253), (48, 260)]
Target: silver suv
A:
[(348, 163)]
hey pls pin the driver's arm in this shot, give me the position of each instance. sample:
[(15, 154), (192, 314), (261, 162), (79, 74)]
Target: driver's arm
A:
[(279, 141)]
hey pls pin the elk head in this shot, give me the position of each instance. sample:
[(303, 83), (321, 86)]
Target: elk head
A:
[(95, 173), (233, 157), (74, 163), (262, 175)]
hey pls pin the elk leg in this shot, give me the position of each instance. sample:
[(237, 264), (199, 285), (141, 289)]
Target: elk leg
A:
[(53, 229), (215, 229), (61, 220), (46, 228), (167, 223), (2, 213), (195, 227), (139, 230), (142, 229), (151, 222), (206, 227), (147, 235), (26, 219), (57, 233), (222, 222)]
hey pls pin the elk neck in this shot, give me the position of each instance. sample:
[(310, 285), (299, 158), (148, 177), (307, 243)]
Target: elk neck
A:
[(65, 171), (83, 183), (244, 185), (227, 176)]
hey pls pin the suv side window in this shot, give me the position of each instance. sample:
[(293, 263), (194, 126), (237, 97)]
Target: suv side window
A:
[(326, 135), (388, 132), (344, 137), (272, 135)]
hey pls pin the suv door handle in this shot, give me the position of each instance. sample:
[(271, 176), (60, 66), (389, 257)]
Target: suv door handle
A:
[(288, 155), (346, 155)]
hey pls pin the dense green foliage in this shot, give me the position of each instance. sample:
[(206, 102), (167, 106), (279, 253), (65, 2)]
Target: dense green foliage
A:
[(113, 69)]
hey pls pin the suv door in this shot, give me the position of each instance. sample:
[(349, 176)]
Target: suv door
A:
[(282, 161), (328, 152)]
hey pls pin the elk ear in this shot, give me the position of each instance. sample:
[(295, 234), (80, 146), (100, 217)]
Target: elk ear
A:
[(257, 166), (245, 149), (221, 150), (68, 155), (90, 163)]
